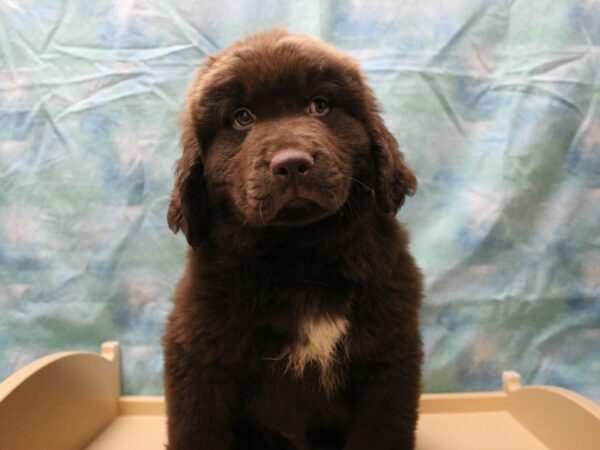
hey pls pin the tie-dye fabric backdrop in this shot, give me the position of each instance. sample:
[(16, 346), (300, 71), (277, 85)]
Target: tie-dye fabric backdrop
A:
[(495, 103)]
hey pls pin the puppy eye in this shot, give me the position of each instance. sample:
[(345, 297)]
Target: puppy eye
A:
[(318, 106), (242, 119)]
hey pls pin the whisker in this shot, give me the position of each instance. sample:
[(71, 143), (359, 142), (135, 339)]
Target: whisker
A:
[(352, 210), (347, 133), (260, 205), (369, 188)]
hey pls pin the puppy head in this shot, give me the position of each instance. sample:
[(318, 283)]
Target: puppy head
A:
[(280, 130)]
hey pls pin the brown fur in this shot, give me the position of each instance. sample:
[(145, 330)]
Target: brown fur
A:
[(295, 323)]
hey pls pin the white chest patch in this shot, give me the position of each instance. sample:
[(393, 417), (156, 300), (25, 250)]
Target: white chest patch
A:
[(317, 342)]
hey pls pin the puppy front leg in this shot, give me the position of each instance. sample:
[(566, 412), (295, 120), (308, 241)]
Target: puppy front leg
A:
[(386, 411), (200, 403)]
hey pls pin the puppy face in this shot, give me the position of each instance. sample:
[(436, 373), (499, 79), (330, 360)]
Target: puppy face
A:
[(278, 131), (283, 146)]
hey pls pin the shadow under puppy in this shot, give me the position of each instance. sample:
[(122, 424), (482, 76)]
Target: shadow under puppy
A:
[(295, 324)]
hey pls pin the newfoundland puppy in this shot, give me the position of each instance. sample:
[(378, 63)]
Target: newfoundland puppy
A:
[(295, 324)]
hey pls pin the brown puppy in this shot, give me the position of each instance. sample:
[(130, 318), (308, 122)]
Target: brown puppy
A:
[(296, 321)]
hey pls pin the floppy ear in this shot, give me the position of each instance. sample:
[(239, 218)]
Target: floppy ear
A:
[(394, 179), (188, 209)]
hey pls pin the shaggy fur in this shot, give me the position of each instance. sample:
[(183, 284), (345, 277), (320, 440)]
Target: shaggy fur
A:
[(295, 324)]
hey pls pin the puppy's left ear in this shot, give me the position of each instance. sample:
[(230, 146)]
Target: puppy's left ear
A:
[(394, 179)]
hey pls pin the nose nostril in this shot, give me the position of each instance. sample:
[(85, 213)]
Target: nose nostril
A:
[(303, 168), (283, 171)]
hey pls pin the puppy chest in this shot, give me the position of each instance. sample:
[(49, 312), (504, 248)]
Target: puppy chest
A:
[(319, 342)]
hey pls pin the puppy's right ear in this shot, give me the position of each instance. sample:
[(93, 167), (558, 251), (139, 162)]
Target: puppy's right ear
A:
[(188, 209)]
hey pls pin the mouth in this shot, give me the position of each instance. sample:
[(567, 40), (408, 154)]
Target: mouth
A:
[(294, 206), (299, 211)]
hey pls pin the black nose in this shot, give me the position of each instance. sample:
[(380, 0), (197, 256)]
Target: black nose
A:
[(289, 165)]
